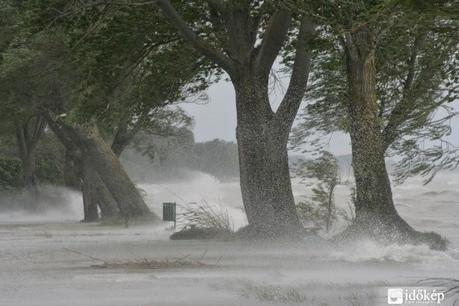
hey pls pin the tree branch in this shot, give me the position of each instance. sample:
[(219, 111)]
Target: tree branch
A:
[(21, 140), (198, 43), (406, 105), (273, 40), (290, 104), (37, 132), (59, 131), (123, 136)]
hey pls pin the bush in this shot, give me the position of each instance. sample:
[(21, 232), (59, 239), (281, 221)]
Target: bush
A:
[(10, 172), (320, 209), (50, 161), (206, 216), (203, 221)]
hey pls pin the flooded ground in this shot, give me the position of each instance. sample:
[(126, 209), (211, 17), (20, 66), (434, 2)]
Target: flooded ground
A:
[(52, 259)]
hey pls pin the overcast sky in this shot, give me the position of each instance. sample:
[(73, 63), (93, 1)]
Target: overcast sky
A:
[(217, 119)]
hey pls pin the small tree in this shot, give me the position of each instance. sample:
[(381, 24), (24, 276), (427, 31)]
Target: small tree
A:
[(321, 209)]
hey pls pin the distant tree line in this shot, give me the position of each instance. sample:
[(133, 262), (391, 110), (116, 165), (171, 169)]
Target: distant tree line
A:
[(155, 158)]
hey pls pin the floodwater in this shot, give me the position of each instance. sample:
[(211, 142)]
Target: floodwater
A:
[(48, 259)]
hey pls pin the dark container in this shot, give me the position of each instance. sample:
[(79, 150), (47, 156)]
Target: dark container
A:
[(169, 211)]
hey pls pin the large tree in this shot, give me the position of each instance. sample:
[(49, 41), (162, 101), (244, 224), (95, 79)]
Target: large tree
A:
[(381, 81), (128, 66), (16, 115), (244, 38)]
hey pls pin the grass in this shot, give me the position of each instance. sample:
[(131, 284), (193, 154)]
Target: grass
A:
[(179, 263), (274, 294), (205, 215), (175, 263), (203, 221)]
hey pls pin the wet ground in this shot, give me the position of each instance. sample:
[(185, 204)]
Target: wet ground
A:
[(49, 259)]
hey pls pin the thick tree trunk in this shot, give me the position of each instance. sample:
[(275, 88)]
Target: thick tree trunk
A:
[(79, 175), (374, 195), (97, 153), (374, 203), (99, 194), (263, 161), (110, 170), (375, 213), (262, 134)]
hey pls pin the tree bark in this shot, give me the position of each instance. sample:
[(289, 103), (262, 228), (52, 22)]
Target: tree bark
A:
[(375, 210), (110, 170), (28, 134), (91, 213), (98, 192), (28, 168), (81, 176), (262, 134), (123, 137), (108, 167), (72, 170), (263, 162)]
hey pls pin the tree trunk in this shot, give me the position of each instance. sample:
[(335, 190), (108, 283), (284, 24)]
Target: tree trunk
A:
[(72, 171), (263, 162), (28, 134), (98, 154), (110, 170), (374, 208), (123, 137), (80, 176), (99, 194), (331, 190), (28, 168), (91, 213), (262, 134)]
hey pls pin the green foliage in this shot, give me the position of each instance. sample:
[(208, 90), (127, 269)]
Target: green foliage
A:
[(315, 210), (50, 160), (416, 73), (10, 172), (120, 65), (320, 208), (129, 59)]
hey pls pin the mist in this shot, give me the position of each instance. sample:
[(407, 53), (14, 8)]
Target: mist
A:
[(226, 152), (51, 245)]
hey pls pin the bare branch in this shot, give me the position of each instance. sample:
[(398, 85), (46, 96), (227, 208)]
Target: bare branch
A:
[(406, 105)]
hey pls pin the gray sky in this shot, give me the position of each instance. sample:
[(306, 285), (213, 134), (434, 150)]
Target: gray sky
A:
[(217, 119)]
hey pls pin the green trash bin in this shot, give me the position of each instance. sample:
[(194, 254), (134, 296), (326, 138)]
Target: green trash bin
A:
[(170, 212)]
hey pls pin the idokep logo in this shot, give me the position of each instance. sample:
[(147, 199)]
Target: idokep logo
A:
[(406, 296), (395, 296)]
